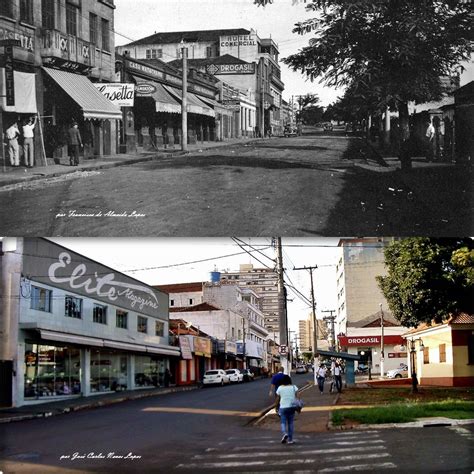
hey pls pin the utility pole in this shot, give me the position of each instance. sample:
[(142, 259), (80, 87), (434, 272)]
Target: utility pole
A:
[(184, 101), (284, 358), (315, 322), (243, 342), (262, 93), (331, 318), (382, 356)]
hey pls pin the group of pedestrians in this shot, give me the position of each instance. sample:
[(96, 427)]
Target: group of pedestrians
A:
[(13, 136), (335, 373)]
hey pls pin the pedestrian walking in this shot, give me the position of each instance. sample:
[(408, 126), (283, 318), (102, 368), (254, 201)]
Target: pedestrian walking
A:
[(167, 377), (74, 142), (276, 381), (431, 145), (12, 133), (284, 406), (28, 142), (338, 377), (320, 377)]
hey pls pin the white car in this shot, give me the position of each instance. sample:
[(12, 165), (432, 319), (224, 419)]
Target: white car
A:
[(301, 369), (398, 373), (215, 377), (235, 375)]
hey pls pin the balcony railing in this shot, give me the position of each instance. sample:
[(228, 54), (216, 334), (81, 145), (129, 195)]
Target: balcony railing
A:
[(68, 47)]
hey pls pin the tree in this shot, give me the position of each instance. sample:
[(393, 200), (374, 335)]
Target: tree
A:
[(428, 279), (395, 50)]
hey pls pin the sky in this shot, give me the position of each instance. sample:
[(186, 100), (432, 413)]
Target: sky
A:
[(158, 261), (135, 19)]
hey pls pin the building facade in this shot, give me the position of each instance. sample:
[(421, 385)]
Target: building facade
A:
[(72, 327), (254, 67), (51, 54)]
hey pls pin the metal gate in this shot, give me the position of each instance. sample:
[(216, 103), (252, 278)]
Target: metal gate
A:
[(6, 372)]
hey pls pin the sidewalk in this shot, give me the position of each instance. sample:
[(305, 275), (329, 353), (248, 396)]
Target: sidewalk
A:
[(315, 415), (21, 174), (44, 410)]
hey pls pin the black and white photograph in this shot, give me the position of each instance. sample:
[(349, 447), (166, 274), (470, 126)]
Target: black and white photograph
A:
[(236, 236), (236, 117)]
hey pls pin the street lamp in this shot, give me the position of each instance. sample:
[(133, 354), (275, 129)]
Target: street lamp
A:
[(412, 347)]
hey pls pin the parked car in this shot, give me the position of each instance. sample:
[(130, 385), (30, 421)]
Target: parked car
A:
[(235, 375), (290, 132), (328, 126), (362, 369), (399, 372), (248, 375), (215, 377), (301, 369)]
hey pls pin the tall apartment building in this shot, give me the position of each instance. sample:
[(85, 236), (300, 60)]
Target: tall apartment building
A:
[(51, 53), (237, 56), (264, 281), (305, 333)]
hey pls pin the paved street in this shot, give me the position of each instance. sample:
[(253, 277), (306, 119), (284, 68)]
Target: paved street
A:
[(304, 186), (207, 431)]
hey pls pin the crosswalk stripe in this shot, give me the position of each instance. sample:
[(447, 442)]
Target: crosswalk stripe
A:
[(353, 443), (354, 433), (288, 452), (355, 457), (359, 467)]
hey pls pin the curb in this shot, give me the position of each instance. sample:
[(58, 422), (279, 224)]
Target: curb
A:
[(89, 405)]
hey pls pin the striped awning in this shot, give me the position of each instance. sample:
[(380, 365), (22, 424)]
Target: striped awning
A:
[(93, 103), (164, 100), (195, 105)]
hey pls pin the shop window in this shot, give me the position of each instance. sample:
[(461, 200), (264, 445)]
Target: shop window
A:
[(41, 299), (149, 371), (93, 28), (121, 319), (108, 371), (105, 34), (73, 307), (48, 13), (159, 328), (142, 324), (426, 355), (6, 8), (442, 352), (71, 19), (51, 371), (26, 11), (99, 314)]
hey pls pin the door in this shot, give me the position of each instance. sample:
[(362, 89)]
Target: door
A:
[(6, 376)]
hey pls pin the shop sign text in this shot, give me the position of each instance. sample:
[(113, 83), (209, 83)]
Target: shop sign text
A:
[(245, 40), (144, 89), (121, 95), (26, 42), (9, 76), (242, 68)]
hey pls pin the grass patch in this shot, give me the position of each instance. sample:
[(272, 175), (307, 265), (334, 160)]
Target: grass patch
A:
[(405, 412)]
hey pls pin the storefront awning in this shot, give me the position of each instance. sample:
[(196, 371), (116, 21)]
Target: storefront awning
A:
[(195, 105), (93, 103), (170, 350), (71, 338), (124, 346), (163, 100), (24, 91)]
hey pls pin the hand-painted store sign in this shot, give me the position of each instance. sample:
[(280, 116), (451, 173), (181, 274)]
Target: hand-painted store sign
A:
[(66, 65), (242, 68), (121, 95), (9, 76), (245, 40), (26, 41), (52, 265), (369, 340)]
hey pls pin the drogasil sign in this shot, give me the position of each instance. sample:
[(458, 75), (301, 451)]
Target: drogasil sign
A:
[(369, 340)]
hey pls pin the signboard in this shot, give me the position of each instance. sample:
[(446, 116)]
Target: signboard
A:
[(146, 69), (66, 65), (229, 347), (231, 104), (122, 95), (397, 355), (25, 41), (345, 341), (283, 350), (56, 266), (238, 40), (239, 68), (9, 76), (185, 346), (145, 89), (202, 346)]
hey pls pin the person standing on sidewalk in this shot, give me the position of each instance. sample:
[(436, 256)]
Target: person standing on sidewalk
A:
[(338, 376), (12, 135), (74, 142), (28, 144), (286, 395), (321, 376), (276, 381)]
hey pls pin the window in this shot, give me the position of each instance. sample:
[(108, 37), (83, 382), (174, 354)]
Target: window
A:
[(209, 52), (470, 349), (93, 28), (41, 299), (159, 53), (154, 53), (26, 11), (442, 352), (105, 35), (178, 53), (142, 324), (190, 301), (426, 355), (159, 328), (48, 11), (71, 19), (73, 307), (121, 319), (171, 302), (148, 54), (99, 314), (6, 8)]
